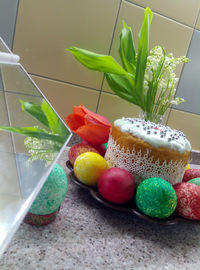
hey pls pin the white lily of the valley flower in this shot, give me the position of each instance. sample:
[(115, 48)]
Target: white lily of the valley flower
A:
[(164, 82), (177, 101)]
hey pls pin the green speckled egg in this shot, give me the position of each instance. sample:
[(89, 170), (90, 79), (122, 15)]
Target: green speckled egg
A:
[(156, 198), (52, 193), (195, 181)]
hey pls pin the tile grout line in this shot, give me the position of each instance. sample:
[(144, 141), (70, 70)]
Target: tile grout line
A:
[(195, 114), (160, 14), (15, 25), (181, 111), (197, 19), (64, 82), (111, 43), (20, 93)]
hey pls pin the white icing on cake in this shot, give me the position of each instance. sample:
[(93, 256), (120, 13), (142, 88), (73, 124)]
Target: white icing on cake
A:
[(156, 135)]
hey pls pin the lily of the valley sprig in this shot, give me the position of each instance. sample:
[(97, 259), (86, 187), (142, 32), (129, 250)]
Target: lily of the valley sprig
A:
[(42, 143), (146, 79), (160, 82)]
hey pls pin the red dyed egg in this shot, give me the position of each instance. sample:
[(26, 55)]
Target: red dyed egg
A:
[(188, 200), (191, 174), (116, 185)]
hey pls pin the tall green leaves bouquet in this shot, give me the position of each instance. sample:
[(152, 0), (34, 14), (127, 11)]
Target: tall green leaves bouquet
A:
[(144, 78)]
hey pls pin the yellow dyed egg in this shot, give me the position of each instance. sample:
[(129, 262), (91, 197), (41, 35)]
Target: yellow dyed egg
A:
[(88, 167), (188, 167)]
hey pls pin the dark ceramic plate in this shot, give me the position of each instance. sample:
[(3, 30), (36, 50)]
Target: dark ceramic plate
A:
[(128, 208)]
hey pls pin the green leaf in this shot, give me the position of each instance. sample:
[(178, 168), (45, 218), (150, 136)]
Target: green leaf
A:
[(143, 49), (54, 122), (35, 111), (122, 87), (98, 62), (33, 132), (121, 83), (127, 49)]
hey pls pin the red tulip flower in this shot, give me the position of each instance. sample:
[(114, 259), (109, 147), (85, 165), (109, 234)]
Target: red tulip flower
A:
[(91, 127)]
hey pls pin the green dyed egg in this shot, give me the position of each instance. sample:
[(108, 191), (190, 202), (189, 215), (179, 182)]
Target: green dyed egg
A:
[(52, 193), (156, 198), (195, 181)]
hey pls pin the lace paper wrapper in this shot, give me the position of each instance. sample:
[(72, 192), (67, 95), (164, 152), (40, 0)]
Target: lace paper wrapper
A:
[(141, 166)]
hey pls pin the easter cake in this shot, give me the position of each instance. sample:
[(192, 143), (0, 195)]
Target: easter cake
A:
[(147, 149)]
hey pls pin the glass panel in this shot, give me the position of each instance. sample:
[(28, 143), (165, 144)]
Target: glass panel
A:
[(5, 138), (3, 47), (20, 182), (1, 82), (15, 80)]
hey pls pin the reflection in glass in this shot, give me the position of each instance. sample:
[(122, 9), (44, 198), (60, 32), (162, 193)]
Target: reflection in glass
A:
[(30, 131), (46, 137)]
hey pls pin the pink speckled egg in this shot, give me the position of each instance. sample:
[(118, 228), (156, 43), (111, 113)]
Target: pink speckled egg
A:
[(188, 200), (191, 174)]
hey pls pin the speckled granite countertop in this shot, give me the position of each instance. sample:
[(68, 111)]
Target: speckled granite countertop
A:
[(88, 236)]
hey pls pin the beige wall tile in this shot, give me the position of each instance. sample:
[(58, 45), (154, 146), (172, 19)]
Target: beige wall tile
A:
[(174, 37), (188, 123), (183, 11), (45, 28), (198, 23), (64, 96), (113, 107)]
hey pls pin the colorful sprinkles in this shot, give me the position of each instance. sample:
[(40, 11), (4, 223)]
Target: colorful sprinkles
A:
[(162, 130), (155, 134)]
